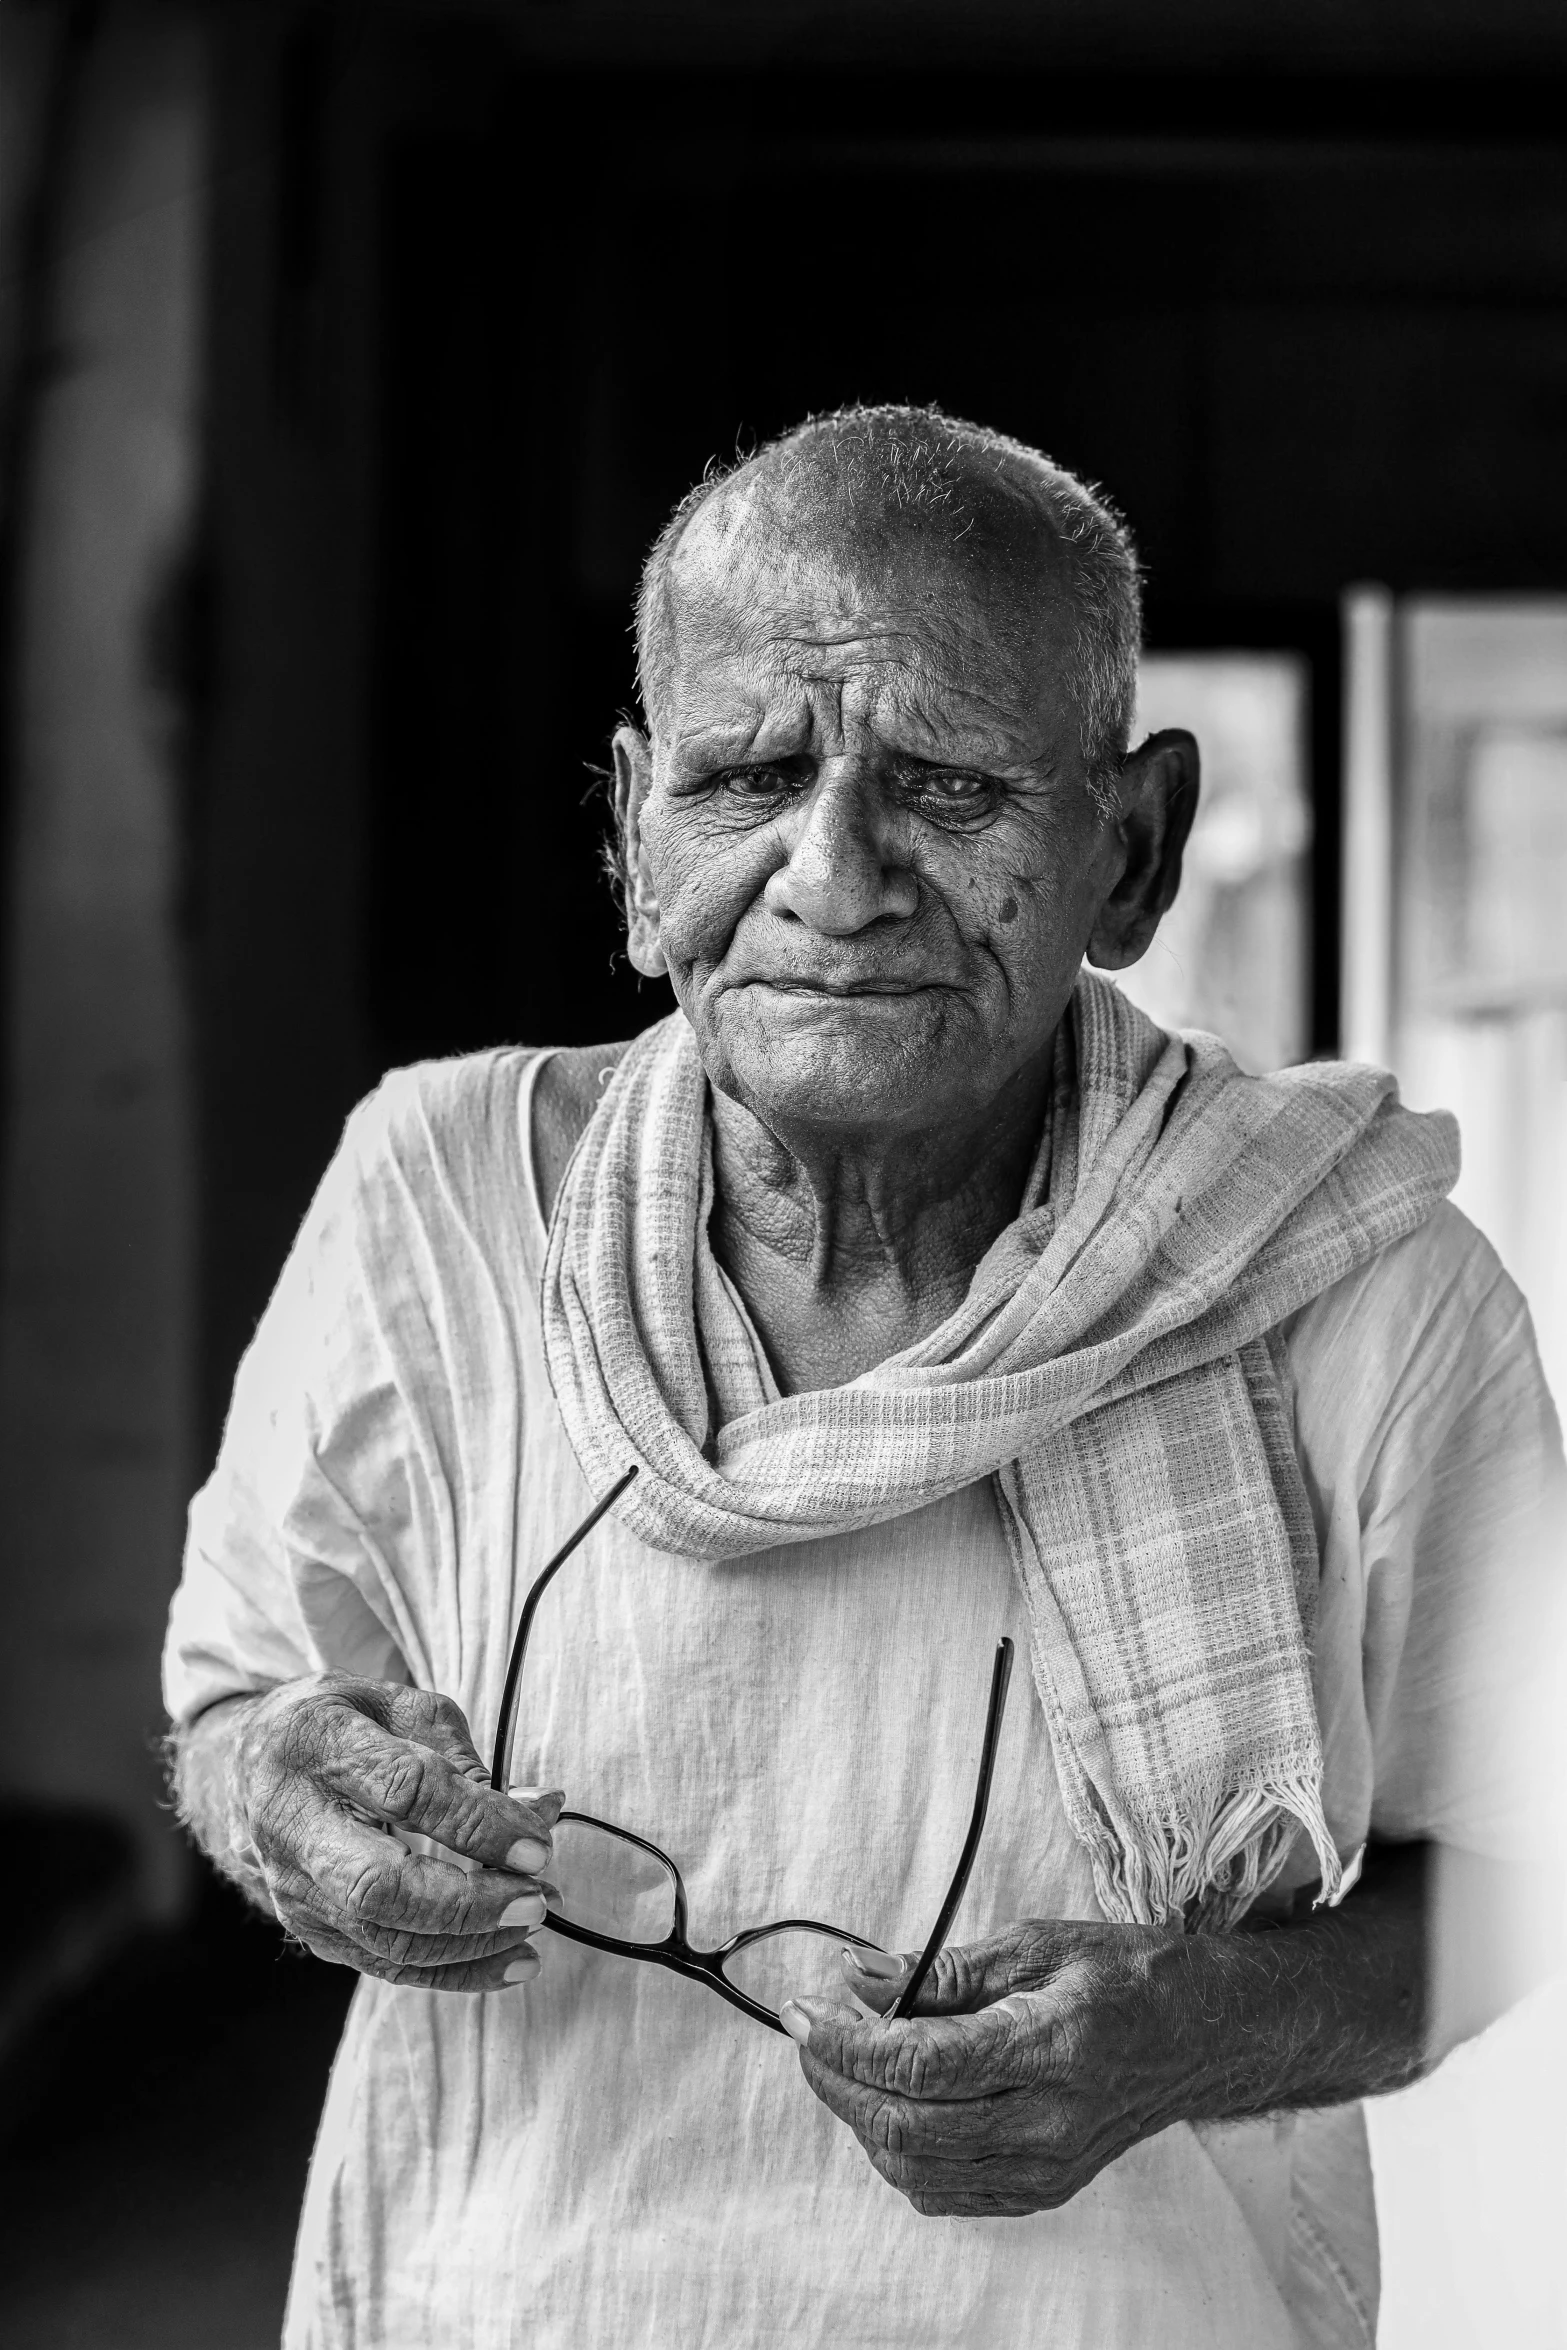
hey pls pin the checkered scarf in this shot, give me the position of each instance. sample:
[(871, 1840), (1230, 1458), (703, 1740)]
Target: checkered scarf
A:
[(1115, 1368)]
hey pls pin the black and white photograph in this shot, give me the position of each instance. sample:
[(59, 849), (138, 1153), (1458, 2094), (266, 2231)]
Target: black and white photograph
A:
[(783, 1174)]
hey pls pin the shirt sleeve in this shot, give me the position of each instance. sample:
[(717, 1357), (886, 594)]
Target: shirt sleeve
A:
[(1427, 1422), (331, 1523)]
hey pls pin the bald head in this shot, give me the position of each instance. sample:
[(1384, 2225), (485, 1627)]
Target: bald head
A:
[(876, 493)]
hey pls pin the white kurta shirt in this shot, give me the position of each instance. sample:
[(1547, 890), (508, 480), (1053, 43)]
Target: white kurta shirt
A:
[(611, 2156)]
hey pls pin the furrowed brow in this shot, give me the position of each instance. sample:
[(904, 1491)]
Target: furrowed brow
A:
[(767, 735)]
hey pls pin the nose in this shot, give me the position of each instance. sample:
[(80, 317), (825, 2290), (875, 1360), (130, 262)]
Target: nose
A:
[(848, 860)]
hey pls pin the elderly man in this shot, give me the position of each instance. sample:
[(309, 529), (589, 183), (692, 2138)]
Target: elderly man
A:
[(936, 1298)]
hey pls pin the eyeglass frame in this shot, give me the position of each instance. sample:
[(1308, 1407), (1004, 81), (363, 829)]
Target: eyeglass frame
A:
[(676, 1952)]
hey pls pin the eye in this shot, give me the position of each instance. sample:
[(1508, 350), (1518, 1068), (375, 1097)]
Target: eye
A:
[(758, 783), (953, 795)]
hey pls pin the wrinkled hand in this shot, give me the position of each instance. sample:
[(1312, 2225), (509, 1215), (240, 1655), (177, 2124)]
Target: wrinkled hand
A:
[(1033, 2059), (318, 1763)]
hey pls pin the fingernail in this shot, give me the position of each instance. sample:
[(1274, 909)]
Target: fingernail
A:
[(795, 2022), (527, 1910), (522, 1969), (879, 1963), (527, 1856)]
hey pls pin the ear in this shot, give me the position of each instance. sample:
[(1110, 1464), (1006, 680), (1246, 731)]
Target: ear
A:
[(1156, 794), (633, 758)]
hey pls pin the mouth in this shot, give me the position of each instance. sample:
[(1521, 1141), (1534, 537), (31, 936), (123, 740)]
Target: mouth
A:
[(848, 990)]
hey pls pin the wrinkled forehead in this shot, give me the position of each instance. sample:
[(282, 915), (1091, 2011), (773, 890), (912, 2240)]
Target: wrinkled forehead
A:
[(767, 592)]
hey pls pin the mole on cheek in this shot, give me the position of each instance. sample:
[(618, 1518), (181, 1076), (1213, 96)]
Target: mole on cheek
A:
[(1007, 910)]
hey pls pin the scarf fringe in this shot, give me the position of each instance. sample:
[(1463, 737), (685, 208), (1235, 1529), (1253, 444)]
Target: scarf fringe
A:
[(1204, 1866)]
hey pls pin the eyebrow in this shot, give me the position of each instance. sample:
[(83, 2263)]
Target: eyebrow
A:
[(964, 746), (963, 750), (720, 744)]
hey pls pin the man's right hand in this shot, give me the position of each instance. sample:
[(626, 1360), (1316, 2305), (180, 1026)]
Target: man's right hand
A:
[(315, 1764)]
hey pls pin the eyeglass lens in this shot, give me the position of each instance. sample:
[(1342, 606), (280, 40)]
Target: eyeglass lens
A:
[(793, 1962), (611, 1885)]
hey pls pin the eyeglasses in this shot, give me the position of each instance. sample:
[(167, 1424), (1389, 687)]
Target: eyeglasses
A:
[(625, 1895)]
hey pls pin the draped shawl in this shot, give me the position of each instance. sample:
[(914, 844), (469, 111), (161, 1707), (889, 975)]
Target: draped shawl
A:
[(1115, 1369)]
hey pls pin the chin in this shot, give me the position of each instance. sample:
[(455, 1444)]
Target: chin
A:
[(886, 1062)]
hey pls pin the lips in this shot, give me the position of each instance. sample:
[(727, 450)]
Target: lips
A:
[(842, 989)]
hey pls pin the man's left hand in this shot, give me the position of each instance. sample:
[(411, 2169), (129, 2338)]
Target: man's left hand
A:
[(1037, 2057), (1034, 2059)]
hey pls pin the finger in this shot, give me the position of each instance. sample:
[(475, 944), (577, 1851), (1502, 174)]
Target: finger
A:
[(376, 1887), (904, 2128), (368, 1885), (951, 2058), (412, 1784), (427, 1718), (963, 1979), (874, 1978), (426, 1848), (992, 2203), (393, 1951), (306, 1911), (975, 2177), (502, 1971)]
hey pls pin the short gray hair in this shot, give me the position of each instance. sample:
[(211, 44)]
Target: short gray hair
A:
[(921, 463)]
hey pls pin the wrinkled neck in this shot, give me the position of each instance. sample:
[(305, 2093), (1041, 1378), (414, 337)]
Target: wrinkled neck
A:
[(849, 1247)]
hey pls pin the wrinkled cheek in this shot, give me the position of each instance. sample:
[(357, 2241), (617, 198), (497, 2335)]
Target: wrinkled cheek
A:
[(1039, 937), (704, 891)]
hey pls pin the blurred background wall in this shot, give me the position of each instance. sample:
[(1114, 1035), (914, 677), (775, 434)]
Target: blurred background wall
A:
[(349, 357), (97, 1211)]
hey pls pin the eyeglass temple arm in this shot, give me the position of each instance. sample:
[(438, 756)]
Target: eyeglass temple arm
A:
[(519, 1647), (999, 1678)]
